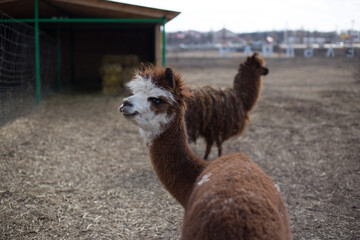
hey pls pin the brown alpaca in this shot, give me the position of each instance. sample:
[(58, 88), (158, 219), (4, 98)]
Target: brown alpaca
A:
[(217, 114), (229, 198)]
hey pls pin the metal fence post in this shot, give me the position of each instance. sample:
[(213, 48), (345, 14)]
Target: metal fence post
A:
[(163, 42), (37, 53), (58, 59)]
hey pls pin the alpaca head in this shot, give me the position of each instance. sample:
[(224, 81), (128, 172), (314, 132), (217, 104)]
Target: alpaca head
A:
[(158, 98), (255, 64)]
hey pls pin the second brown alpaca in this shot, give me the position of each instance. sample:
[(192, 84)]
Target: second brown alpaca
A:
[(218, 114)]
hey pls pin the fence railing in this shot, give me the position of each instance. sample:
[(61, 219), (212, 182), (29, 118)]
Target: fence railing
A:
[(17, 67)]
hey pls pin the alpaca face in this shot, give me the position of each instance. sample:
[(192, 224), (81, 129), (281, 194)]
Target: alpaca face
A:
[(149, 108), (264, 71), (259, 69), (257, 64)]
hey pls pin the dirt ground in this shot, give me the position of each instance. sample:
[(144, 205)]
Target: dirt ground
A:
[(76, 169)]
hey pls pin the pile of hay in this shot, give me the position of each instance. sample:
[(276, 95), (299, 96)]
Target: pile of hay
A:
[(116, 70)]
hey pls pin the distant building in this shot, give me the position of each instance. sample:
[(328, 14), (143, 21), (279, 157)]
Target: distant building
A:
[(226, 36)]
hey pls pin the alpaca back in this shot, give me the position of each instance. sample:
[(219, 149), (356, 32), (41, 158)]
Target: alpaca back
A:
[(215, 114), (234, 199)]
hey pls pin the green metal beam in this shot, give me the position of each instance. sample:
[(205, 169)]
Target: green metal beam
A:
[(37, 53), (58, 68), (163, 43)]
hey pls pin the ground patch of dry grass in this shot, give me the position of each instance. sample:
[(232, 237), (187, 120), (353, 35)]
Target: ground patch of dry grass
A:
[(75, 169)]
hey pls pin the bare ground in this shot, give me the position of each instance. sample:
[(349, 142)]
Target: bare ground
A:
[(75, 169)]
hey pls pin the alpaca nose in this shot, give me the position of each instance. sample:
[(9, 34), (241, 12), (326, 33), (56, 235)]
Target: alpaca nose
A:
[(266, 71), (126, 103)]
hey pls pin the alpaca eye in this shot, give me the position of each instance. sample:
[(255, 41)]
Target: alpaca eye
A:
[(157, 101)]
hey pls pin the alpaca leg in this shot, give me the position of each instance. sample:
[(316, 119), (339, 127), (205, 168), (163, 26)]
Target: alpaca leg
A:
[(208, 149)]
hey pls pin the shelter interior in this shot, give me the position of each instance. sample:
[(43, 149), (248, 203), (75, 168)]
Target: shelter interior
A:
[(83, 45)]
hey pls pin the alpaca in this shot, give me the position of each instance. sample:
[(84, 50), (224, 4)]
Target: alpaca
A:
[(217, 114), (228, 198)]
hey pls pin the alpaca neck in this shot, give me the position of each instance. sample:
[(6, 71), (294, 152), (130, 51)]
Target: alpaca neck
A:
[(247, 86), (175, 164)]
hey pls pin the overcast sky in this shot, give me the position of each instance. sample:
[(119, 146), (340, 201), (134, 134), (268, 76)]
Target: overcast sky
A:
[(259, 15)]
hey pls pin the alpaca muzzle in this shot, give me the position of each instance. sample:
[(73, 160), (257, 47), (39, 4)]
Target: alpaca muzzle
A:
[(266, 71), (126, 109)]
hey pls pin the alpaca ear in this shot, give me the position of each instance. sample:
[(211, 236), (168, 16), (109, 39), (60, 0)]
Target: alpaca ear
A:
[(169, 77), (251, 59)]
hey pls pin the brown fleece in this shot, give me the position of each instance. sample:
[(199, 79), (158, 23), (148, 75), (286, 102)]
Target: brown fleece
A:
[(238, 201), (217, 114), (229, 198)]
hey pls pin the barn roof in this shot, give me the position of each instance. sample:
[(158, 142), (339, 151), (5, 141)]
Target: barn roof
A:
[(83, 9)]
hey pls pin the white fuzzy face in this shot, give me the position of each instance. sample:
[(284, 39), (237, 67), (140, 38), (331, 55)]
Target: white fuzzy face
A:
[(147, 107)]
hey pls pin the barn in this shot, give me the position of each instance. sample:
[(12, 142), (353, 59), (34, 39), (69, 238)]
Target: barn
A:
[(84, 31), (49, 45)]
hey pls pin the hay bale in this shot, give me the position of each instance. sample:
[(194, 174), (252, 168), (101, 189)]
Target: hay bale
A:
[(116, 70), (112, 80)]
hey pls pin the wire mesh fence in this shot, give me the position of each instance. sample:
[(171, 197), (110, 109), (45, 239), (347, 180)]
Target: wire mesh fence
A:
[(17, 68)]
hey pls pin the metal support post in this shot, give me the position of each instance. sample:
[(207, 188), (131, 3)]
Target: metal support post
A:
[(163, 42), (37, 53)]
